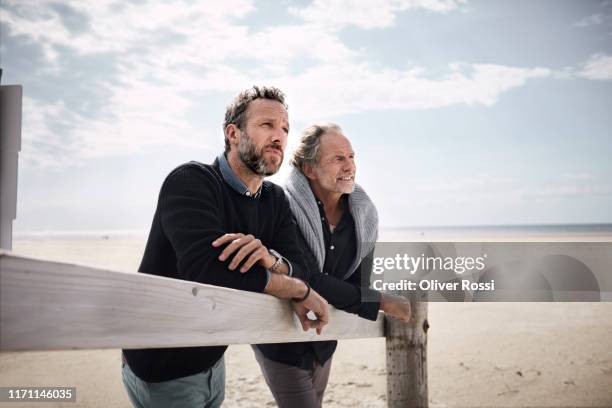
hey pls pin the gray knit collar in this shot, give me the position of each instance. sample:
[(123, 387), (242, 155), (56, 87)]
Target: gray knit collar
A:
[(304, 207)]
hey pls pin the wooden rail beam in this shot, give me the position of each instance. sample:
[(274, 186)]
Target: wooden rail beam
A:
[(57, 306)]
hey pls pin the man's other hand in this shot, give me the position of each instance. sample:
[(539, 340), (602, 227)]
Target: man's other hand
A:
[(315, 303), (396, 307)]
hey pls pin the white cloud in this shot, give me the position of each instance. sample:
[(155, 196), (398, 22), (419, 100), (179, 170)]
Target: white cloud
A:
[(145, 103), (598, 67), (366, 14), (169, 57), (54, 135), (593, 19), (112, 26), (330, 90)]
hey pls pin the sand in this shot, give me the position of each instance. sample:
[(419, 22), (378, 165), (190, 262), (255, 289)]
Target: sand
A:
[(500, 354)]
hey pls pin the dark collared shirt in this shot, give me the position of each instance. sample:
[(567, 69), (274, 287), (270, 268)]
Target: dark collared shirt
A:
[(340, 244), (348, 295), (232, 179)]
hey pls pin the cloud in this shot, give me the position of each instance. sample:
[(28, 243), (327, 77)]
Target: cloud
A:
[(55, 135), (366, 14), (331, 90), (593, 19), (110, 26), (115, 78), (103, 79), (598, 67)]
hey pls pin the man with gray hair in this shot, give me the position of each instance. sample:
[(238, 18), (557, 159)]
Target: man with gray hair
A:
[(338, 225)]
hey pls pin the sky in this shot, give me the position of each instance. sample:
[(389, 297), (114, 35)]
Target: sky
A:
[(461, 112)]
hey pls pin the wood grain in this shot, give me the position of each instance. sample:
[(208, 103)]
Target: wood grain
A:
[(57, 306)]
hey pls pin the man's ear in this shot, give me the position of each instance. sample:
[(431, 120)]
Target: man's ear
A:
[(232, 134), (309, 172)]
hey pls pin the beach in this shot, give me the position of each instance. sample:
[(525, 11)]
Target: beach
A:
[(479, 354)]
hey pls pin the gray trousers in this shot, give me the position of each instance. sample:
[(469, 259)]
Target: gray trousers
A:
[(201, 390), (294, 387)]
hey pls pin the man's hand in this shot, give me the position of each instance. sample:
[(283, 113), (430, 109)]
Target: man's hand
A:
[(315, 303), (247, 246), (396, 307)]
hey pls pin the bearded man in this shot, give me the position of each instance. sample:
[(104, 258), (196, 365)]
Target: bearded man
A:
[(212, 224)]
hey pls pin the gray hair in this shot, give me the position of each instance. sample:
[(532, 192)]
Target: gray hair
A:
[(235, 113), (307, 150)]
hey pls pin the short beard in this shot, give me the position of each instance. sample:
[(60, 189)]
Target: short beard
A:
[(253, 159)]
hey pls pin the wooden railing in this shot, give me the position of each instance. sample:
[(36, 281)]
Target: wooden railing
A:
[(57, 306)]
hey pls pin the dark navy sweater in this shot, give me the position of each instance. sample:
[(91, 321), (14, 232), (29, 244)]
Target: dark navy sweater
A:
[(195, 207)]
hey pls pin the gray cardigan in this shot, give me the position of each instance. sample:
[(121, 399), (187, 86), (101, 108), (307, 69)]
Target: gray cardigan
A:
[(304, 207)]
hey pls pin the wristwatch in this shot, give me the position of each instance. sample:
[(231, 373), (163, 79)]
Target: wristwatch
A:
[(279, 260)]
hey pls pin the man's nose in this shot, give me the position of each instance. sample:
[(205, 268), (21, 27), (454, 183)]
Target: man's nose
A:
[(279, 136), (349, 166)]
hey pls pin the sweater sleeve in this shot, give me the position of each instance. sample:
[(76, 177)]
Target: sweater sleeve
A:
[(370, 298), (191, 216)]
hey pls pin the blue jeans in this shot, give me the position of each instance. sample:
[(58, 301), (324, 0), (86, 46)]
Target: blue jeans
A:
[(202, 390)]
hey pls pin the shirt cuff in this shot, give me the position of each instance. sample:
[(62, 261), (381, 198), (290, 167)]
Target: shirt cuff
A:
[(290, 273), (268, 276)]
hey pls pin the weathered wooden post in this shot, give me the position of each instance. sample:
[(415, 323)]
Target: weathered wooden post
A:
[(407, 359), (10, 144)]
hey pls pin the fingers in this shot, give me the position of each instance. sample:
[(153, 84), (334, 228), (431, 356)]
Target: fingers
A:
[(318, 325), (323, 319), (255, 257), (317, 304), (234, 245), (308, 324), (321, 312), (305, 321), (236, 242), (402, 318), (245, 245), (302, 312), (402, 312), (247, 248), (224, 239)]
